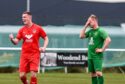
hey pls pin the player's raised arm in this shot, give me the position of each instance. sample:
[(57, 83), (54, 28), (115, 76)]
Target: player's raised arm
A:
[(82, 32), (13, 40)]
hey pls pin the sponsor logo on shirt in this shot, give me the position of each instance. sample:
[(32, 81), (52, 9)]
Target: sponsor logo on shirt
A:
[(28, 38), (91, 42)]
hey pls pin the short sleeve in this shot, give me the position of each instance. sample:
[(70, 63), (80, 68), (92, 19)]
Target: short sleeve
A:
[(103, 34), (42, 33), (19, 34)]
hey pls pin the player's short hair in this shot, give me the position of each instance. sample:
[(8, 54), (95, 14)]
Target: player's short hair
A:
[(27, 12), (94, 16)]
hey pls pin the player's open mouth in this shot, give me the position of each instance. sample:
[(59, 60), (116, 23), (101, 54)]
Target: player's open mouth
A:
[(24, 21)]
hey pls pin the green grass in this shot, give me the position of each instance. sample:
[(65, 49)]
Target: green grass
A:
[(62, 78)]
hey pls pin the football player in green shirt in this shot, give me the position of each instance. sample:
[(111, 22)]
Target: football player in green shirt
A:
[(98, 42)]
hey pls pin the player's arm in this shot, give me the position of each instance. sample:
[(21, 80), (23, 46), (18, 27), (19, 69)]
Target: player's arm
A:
[(82, 32), (15, 41), (46, 41), (106, 44)]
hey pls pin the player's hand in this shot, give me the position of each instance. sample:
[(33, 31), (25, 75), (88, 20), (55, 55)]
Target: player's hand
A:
[(11, 36), (88, 22), (42, 49), (98, 50)]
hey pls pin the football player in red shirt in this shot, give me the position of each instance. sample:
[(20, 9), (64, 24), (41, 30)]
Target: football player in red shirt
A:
[(30, 33)]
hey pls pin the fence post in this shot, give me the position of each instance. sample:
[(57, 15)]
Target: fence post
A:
[(65, 69)]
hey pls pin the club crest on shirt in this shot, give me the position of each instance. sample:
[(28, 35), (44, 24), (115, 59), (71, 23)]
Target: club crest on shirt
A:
[(95, 34), (34, 31), (29, 36)]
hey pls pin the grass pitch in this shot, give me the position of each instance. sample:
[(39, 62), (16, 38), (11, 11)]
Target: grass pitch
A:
[(62, 78)]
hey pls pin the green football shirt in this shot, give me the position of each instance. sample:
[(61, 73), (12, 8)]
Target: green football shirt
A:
[(96, 40)]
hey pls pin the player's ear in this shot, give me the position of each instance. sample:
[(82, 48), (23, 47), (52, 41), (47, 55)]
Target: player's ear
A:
[(30, 16)]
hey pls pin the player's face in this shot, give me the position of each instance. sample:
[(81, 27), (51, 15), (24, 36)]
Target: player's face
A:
[(92, 22), (26, 19)]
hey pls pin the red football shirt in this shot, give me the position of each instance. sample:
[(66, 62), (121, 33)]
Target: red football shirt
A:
[(31, 38)]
